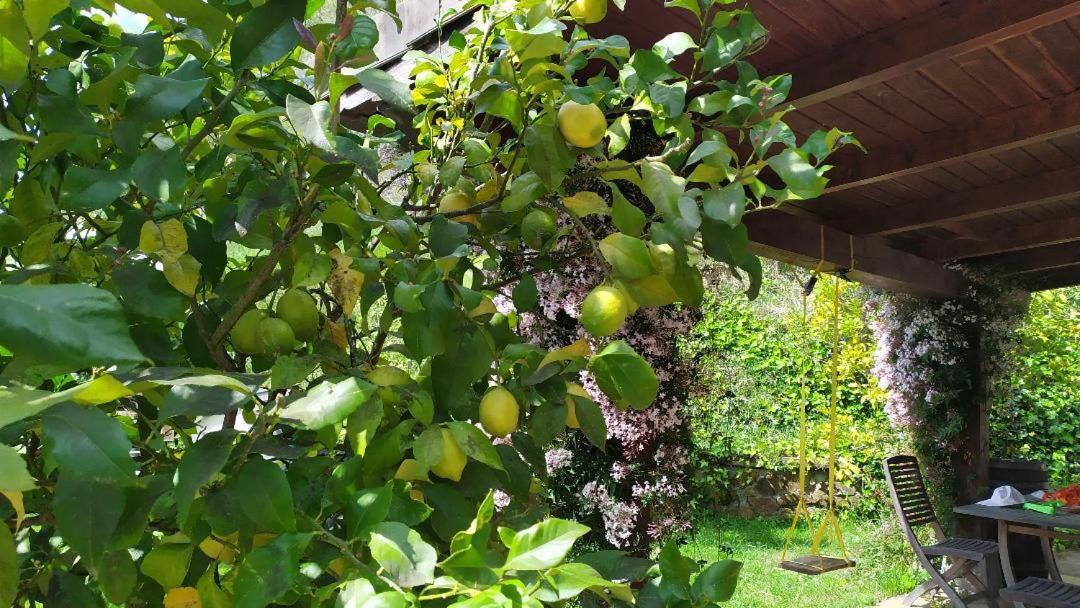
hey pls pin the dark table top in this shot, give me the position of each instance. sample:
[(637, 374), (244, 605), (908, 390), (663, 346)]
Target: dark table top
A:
[(1018, 515)]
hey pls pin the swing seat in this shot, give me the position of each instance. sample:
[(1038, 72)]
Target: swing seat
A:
[(816, 564)]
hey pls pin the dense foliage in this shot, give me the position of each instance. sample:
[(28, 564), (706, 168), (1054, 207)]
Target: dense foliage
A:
[(249, 362), (752, 360), (1037, 416)]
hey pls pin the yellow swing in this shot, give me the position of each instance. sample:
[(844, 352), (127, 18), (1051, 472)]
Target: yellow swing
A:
[(815, 563)]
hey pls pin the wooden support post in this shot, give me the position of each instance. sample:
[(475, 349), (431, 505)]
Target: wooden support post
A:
[(971, 462)]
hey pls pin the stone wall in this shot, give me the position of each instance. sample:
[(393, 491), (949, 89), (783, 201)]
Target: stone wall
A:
[(759, 492)]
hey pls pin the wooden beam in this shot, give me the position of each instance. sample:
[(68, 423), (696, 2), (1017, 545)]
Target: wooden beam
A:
[(1013, 238), (1055, 279), (797, 240), (968, 204), (1003, 131), (1034, 260), (954, 28)]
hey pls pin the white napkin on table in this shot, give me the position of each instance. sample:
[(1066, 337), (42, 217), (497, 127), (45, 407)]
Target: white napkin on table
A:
[(1004, 496)]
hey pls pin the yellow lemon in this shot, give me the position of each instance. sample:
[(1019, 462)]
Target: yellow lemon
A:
[(583, 125), (297, 308), (499, 412), (456, 200), (244, 334), (453, 459), (183, 597), (588, 11), (215, 549), (604, 311), (573, 388)]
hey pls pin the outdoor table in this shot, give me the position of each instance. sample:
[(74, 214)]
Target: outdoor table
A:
[(1022, 521)]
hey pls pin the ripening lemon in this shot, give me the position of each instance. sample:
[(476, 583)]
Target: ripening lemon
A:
[(499, 412), (537, 227), (583, 125), (275, 336), (588, 11), (297, 308), (244, 334), (183, 597), (573, 388), (457, 200), (604, 310), (215, 549), (337, 566), (453, 459)]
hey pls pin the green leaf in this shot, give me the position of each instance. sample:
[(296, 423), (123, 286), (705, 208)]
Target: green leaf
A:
[(196, 400), (674, 44), (803, 179), (268, 572), (624, 376), (86, 443), (475, 444), (548, 155), (586, 203), (628, 218), (328, 403), (147, 292), (360, 40), (264, 495), (290, 371), (651, 67), (38, 14), (85, 189), (167, 563), (13, 474), (9, 568), (500, 99), (310, 121), (361, 425), (201, 462), (629, 256), (525, 294), (541, 546), (367, 508), (727, 204), (160, 174), (387, 88), (118, 576), (662, 186), (446, 236), (266, 34), (717, 582), (524, 190), (568, 581), (676, 571), (158, 98), (407, 559), (591, 420), (618, 135), (87, 512)]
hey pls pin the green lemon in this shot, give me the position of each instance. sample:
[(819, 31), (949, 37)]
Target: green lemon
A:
[(588, 11), (604, 311), (244, 334), (297, 308), (583, 125), (453, 459), (499, 412), (12, 231), (537, 228), (275, 336)]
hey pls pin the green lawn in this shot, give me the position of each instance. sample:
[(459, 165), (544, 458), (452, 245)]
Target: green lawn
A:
[(885, 565)]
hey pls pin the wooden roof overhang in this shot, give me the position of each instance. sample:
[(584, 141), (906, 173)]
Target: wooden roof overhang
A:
[(970, 110)]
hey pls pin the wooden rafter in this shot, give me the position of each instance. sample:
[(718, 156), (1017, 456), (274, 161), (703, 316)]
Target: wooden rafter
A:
[(797, 240), (968, 204), (1013, 238), (1054, 279), (953, 29), (1003, 131), (1036, 260)]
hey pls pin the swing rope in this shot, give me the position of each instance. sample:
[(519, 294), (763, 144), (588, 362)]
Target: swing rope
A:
[(830, 521)]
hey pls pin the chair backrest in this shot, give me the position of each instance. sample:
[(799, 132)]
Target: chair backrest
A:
[(910, 498)]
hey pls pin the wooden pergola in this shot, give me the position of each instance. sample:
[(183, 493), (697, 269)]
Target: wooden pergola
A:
[(970, 110)]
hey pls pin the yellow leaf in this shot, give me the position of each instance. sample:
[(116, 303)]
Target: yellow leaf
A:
[(175, 239), (150, 237), (586, 203), (580, 348), (183, 274), (345, 282), (102, 389), (338, 335), (16, 500), (183, 597)]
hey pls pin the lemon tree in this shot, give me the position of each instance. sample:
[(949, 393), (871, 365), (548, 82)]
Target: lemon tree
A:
[(248, 338)]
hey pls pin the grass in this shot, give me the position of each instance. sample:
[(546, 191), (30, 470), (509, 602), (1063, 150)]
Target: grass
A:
[(884, 565)]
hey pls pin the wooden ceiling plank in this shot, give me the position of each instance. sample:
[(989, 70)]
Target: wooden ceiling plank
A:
[(1011, 238), (1058, 43), (902, 108), (954, 77), (1055, 279), (1029, 63), (998, 133), (970, 204), (1033, 260), (985, 67), (909, 45), (797, 240)]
